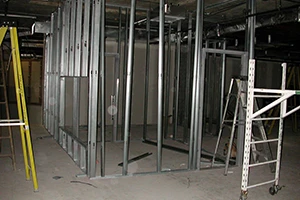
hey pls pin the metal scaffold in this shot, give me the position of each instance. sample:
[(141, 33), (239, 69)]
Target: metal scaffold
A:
[(281, 96)]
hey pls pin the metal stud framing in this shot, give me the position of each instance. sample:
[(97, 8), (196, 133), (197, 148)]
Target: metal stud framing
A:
[(75, 49)]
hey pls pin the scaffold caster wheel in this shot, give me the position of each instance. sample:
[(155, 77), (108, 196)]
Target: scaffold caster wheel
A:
[(243, 195), (274, 189)]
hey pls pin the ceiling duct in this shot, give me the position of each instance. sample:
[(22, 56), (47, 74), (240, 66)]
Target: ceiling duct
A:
[(270, 19)]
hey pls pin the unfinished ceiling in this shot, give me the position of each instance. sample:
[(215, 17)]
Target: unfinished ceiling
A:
[(216, 11), (223, 18)]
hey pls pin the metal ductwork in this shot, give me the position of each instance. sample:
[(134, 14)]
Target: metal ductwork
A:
[(263, 19)]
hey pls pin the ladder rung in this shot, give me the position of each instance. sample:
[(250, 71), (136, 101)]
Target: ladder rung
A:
[(12, 124), (264, 141), (2, 102), (262, 163), (266, 96), (10, 120), (5, 155), (4, 137), (260, 184), (265, 119)]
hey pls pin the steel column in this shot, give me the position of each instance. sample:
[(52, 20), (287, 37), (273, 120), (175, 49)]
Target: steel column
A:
[(102, 98), (52, 86), (191, 165), (125, 58), (46, 81), (117, 82), (57, 73), (187, 80), (76, 106), (167, 85), (200, 93), (249, 46), (86, 38), (62, 105), (222, 87), (129, 89), (146, 77), (65, 40), (93, 89), (195, 137), (78, 40), (160, 84), (176, 81), (72, 38)]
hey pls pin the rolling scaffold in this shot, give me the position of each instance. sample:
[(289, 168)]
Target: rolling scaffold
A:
[(281, 96)]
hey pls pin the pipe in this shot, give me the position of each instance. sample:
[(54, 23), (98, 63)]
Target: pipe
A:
[(283, 16), (160, 84), (128, 89)]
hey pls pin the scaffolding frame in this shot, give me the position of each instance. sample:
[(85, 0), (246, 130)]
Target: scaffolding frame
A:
[(252, 116)]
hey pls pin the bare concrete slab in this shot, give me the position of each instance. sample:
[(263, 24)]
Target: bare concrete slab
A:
[(57, 178)]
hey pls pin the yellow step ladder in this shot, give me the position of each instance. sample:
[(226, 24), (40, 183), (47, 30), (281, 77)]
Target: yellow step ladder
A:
[(22, 122), (4, 103)]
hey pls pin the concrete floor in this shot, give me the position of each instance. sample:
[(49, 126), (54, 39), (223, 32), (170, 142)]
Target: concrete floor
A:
[(52, 160)]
